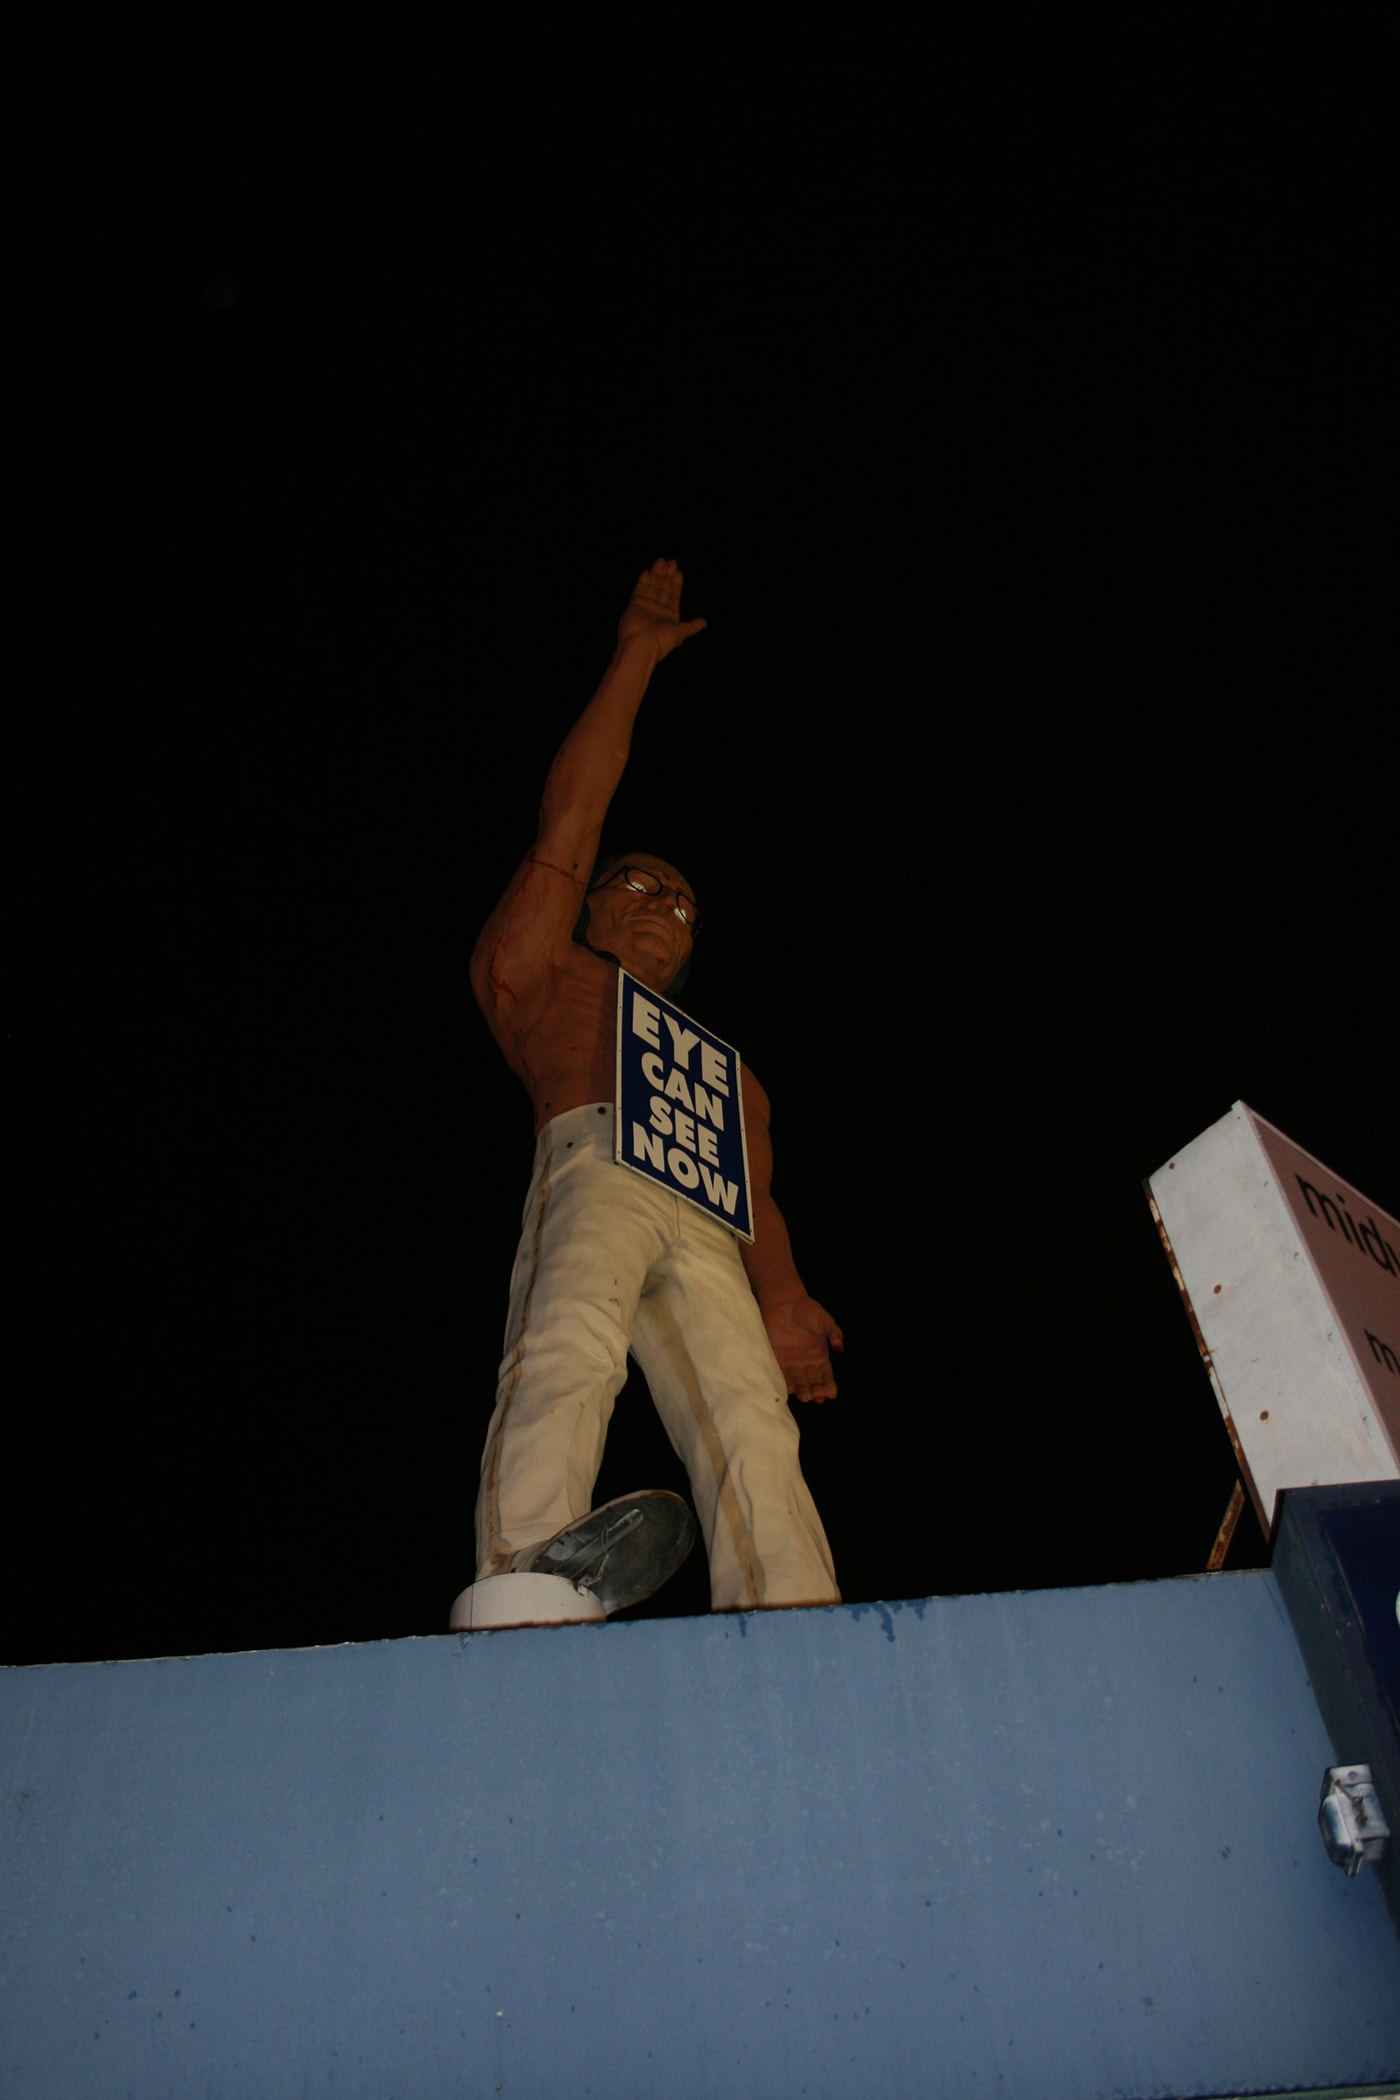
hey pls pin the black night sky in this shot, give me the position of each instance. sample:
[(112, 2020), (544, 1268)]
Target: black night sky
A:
[(1026, 438)]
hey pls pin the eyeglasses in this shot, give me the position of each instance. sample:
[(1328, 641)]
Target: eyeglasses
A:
[(649, 885)]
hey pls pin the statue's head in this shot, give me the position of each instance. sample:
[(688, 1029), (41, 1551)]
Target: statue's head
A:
[(641, 912)]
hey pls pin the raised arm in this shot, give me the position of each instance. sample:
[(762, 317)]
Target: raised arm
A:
[(536, 916), (801, 1331), (584, 777)]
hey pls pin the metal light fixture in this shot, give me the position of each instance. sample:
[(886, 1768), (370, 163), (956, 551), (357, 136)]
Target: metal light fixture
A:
[(1350, 1819)]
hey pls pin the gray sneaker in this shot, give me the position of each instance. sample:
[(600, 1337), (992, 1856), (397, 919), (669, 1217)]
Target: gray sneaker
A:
[(621, 1552)]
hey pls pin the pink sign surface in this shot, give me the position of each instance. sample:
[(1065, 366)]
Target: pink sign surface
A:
[(1355, 1249), (1291, 1278)]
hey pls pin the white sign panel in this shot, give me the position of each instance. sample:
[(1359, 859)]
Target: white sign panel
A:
[(1291, 1278)]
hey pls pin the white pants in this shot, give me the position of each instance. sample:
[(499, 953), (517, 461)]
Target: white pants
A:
[(609, 1261)]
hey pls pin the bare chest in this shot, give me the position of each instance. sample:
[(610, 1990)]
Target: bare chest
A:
[(560, 1038)]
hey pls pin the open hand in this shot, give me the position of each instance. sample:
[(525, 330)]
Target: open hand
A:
[(654, 609), (802, 1333)]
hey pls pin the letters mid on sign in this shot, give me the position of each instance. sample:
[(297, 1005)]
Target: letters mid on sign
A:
[(680, 1118)]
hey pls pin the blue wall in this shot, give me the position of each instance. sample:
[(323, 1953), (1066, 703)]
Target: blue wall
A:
[(1059, 1843)]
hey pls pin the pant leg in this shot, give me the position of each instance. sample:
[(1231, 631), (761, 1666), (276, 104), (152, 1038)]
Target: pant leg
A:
[(590, 1233), (700, 1340)]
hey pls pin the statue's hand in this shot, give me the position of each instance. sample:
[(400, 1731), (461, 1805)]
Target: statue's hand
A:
[(802, 1333), (654, 609)]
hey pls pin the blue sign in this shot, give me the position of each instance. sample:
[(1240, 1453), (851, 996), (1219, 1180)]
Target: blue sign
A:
[(680, 1116)]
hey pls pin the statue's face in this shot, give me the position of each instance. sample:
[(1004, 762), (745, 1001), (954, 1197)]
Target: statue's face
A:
[(643, 932)]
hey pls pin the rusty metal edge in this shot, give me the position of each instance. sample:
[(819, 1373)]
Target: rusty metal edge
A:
[(1265, 1525)]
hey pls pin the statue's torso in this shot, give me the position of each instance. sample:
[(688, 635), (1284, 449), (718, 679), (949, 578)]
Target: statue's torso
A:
[(559, 1034)]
